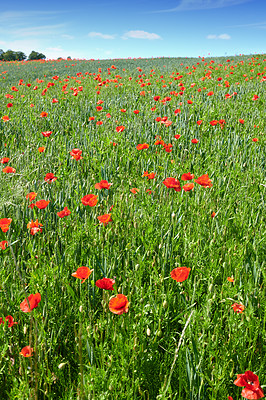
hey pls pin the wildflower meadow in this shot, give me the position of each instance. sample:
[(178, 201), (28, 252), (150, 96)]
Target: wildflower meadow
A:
[(132, 229)]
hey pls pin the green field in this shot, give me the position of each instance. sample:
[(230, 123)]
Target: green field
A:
[(172, 340)]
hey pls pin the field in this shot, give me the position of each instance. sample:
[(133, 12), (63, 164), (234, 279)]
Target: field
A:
[(150, 173)]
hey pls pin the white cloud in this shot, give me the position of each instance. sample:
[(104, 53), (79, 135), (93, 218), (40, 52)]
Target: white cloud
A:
[(223, 36), (100, 35), (70, 37), (188, 5), (141, 35)]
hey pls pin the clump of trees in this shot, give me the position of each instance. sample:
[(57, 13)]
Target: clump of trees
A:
[(11, 55)]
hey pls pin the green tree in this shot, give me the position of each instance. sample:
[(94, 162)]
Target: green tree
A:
[(34, 55)]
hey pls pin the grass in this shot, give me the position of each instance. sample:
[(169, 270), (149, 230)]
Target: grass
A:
[(178, 340)]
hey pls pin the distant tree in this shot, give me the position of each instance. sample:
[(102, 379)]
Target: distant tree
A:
[(1, 54), (11, 55), (34, 55), (69, 58)]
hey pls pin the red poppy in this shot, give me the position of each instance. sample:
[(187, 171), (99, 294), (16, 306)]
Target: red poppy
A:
[(89, 200), (9, 105), (180, 274), (134, 190), (188, 187), (177, 111), (41, 149), (213, 214), (99, 108), (156, 98), (64, 213), (10, 320), (34, 227), (120, 128), (43, 114), (214, 122), (50, 177), (199, 122), (238, 308), (136, 111), (190, 102), (230, 279), (105, 283), (9, 170), (172, 183), (99, 122), (47, 133), (119, 304), (82, 273), (3, 244), (255, 139), (204, 181), (194, 141), (42, 204), (54, 101), (150, 175), (241, 121), (5, 118), (30, 303), (187, 177), (142, 146), (177, 136), (4, 224), (250, 381), (31, 196), (4, 160), (102, 185), (105, 219), (26, 351), (255, 97), (76, 154), (210, 93)]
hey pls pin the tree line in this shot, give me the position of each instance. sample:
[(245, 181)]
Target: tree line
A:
[(11, 55)]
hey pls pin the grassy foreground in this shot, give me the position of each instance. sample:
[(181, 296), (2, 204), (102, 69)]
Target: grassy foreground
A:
[(174, 340)]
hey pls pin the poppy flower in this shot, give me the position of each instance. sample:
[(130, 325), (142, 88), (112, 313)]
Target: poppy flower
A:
[(82, 273), (105, 283), (213, 214), (4, 224), (199, 122), (255, 139), (172, 183), (120, 128), (105, 219), (3, 244), (238, 308), (119, 304), (102, 185), (4, 160), (99, 108), (134, 190), (44, 114), (250, 381), (142, 146), (9, 105), (210, 93), (50, 177), (136, 111), (47, 133), (41, 149), (5, 118), (34, 227), (255, 97), (241, 121), (214, 122), (190, 102), (180, 274), (54, 101), (177, 111), (9, 170), (89, 200), (10, 320), (177, 137), (42, 204), (64, 213), (26, 351), (156, 98), (30, 303), (31, 196), (188, 187), (91, 118), (76, 154), (187, 177), (99, 122), (230, 279), (194, 141), (204, 181)]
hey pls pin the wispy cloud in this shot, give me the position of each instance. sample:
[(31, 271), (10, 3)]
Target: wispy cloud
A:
[(11, 16), (100, 35), (260, 25), (65, 36), (43, 30), (223, 36), (189, 5), (141, 35)]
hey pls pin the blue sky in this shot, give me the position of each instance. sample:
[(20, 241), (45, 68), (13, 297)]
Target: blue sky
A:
[(122, 29)]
